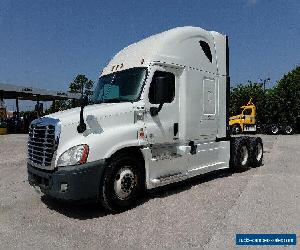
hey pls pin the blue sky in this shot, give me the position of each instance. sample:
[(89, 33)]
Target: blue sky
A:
[(46, 43)]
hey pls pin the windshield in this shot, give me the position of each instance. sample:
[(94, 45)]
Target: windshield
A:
[(122, 86)]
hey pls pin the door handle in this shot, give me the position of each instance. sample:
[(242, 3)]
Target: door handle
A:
[(175, 128)]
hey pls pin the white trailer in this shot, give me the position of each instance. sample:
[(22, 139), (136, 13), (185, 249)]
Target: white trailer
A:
[(158, 115)]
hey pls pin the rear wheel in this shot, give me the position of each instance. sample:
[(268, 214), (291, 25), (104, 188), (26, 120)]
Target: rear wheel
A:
[(257, 151), (274, 129), (288, 130), (240, 154), (122, 183)]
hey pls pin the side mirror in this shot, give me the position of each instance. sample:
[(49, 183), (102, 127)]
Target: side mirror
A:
[(162, 89)]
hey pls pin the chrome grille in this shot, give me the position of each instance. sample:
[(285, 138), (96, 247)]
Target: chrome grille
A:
[(42, 142)]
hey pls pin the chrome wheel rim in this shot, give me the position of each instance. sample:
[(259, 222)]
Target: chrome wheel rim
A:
[(244, 155), (125, 182), (259, 152)]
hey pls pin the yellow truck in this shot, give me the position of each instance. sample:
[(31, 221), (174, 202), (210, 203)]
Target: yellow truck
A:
[(247, 122), (244, 122)]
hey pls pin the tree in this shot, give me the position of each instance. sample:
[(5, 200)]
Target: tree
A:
[(279, 104), (58, 105), (286, 97), (241, 94), (81, 84)]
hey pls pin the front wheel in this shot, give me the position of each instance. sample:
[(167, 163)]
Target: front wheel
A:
[(236, 129), (122, 183)]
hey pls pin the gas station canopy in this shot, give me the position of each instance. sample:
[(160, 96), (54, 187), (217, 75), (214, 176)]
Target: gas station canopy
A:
[(8, 91)]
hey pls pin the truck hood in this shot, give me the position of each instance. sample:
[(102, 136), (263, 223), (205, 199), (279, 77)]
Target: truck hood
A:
[(235, 117), (100, 111)]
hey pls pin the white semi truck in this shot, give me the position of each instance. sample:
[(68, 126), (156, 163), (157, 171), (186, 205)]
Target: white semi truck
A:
[(158, 115)]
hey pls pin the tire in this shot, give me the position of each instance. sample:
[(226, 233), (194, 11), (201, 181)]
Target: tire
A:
[(274, 129), (239, 154), (236, 129), (122, 183), (288, 130), (256, 151)]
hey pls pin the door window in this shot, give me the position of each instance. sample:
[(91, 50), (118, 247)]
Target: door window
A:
[(171, 94), (247, 111)]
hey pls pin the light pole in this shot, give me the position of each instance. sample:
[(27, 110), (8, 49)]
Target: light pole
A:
[(264, 82)]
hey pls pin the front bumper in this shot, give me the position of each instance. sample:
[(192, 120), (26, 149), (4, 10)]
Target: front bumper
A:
[(69, 183)]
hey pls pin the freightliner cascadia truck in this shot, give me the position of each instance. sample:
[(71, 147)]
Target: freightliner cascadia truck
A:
[(158, 115)]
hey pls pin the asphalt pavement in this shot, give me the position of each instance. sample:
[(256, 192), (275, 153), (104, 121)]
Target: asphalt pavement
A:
[(204, 213)]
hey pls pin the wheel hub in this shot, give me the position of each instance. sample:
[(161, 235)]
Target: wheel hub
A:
[(124, 183), (288, 129)]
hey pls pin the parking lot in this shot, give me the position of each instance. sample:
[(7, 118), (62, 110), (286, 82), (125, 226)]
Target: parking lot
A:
[(204, 213)]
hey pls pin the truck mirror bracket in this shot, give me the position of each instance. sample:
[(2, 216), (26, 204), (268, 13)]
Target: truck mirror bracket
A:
[(155, 110), (82, 126)]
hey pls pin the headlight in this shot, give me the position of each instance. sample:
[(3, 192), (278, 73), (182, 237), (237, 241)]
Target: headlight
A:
[(74, 156)]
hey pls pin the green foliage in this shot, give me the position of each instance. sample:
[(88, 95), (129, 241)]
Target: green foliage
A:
[(3, 123), (278, 104), (81, 84), (241, 94), (59, 105), (287, 96), (28, 114)]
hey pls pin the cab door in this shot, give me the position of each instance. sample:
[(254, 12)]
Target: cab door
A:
[(248, 115), (162, 129)]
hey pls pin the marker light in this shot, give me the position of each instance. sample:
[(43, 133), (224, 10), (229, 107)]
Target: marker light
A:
[(141, 134)]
